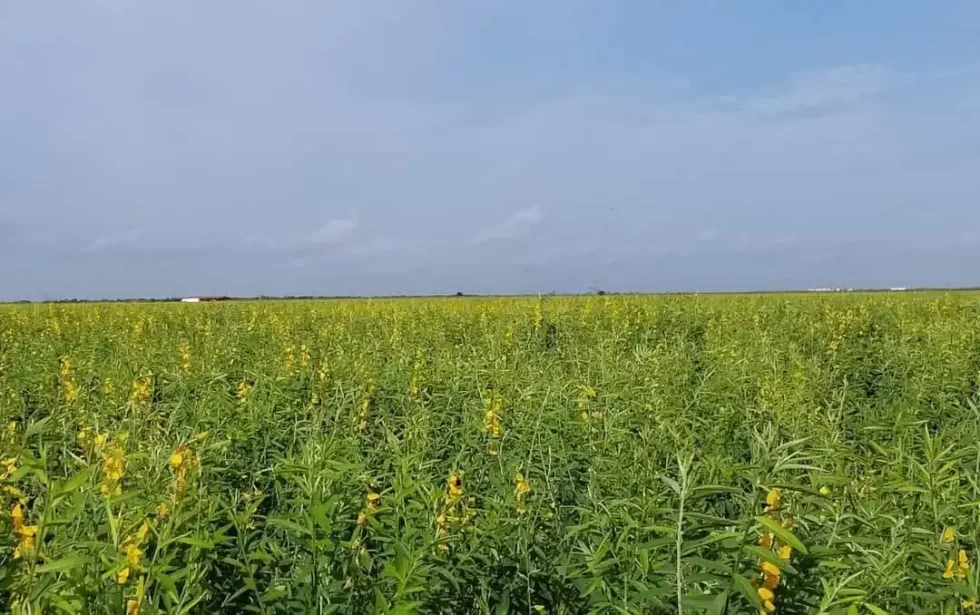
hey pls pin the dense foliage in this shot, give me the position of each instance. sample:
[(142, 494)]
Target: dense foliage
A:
[(796, 454)]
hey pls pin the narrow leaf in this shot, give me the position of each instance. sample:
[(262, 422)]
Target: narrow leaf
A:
[(783, 534)]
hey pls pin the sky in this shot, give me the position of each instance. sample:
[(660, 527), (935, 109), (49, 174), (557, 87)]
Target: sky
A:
[(171, 148)]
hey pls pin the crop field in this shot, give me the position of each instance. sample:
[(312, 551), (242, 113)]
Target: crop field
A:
[(684, 454)]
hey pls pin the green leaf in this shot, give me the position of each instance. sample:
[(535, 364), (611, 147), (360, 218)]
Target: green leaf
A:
[(503, 607), (61, 565), (875, 610), (273, 594), (196, 542), (670, 482), (783, 534), (744, 587), (703, 602), (707, 490), (770, 556), (290, 526), (718, 608), (36, 427), (74, 482)]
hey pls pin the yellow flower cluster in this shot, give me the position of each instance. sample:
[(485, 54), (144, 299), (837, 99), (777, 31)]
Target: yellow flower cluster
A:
[(455, 512), (371, 503), (10, 434), (521, 488), (243, 391), (184, 351), (9, 466), (131, 548), (69, 387), (491, 420), (134, 603), (180, 462), (113, 467), (770, 574), (366, 403), (141, 391), (91, 441), (948, 536), (415, 382), (959, 568), (585, 396), (24, 533)]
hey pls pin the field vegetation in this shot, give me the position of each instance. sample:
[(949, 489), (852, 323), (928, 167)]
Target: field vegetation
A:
[(729, 454)]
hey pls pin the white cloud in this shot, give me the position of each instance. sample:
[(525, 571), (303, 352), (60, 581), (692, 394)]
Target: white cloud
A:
[(518, 225)]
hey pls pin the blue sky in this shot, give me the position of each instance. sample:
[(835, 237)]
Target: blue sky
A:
[(309, 147)]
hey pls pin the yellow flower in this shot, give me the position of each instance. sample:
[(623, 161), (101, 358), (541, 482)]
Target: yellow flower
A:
[(26, 544), (133, 552), (141, 391), (949, 535), (765, 541), (773, 499), (770, 569), (454, 488), (785, 552), (969, 604), (242, 391), (9, 467), (113, 470), (176, 460), (26, 533), (767, 597), (163, 511), (825, 491), (134, 555), (523, 487), (948, 574), (964, 565)]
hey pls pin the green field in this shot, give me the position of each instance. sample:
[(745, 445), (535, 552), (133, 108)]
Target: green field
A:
[(713, 454)]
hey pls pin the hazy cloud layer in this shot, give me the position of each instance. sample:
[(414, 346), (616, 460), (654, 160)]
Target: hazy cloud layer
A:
[(349, 147)]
